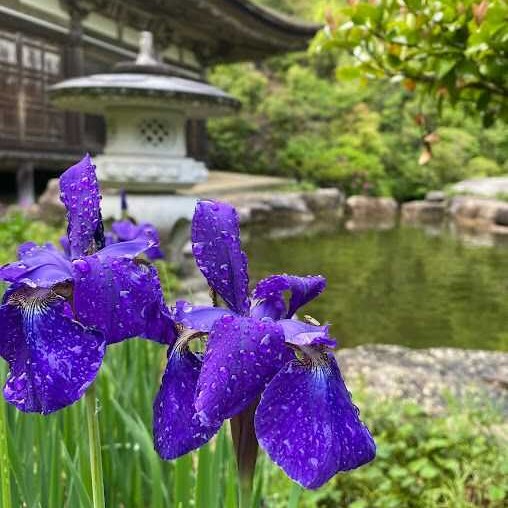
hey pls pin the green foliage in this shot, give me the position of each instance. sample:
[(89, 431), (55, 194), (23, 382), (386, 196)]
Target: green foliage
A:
[(309, 127), (454, 51), (299, 121), (455, 460), (483, 166), (16, 229)]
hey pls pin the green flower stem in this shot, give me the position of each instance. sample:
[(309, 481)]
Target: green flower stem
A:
[(94, 440), (246, 451), (4, 459)]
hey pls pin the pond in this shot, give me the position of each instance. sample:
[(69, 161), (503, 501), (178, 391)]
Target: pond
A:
[(401, 286)]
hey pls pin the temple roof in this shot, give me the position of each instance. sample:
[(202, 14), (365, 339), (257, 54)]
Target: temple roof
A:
[(257, 31), (216, 30)]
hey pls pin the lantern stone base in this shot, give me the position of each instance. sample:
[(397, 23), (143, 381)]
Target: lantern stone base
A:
[(162, 210), (148, 173)]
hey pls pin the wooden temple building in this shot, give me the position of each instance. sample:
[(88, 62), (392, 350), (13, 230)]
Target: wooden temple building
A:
[(45, 41)]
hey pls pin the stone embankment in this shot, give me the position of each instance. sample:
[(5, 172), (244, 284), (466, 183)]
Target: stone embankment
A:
[(431, 210), (367, 212), (428, 376), (475, 213), (291, 207)]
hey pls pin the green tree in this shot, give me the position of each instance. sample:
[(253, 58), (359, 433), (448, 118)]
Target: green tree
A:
[(454, 51)]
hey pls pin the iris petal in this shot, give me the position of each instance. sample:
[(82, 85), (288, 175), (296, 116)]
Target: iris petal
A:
[(177, 429), (41, 266), (121, 297), (299, 333), (198, 317), (302, 289), (273, 308), (81, 197), (308, 425), (218, 253), (131, 249), (52, 359), (24, 248), (242, 356)]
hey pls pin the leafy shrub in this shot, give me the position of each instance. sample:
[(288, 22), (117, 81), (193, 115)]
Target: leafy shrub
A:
[(483, 166), (15, 229), (456, 460)]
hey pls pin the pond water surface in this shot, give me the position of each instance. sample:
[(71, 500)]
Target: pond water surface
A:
[(401, 286)]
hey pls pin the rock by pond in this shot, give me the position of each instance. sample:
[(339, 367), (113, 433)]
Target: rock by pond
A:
[(292, 207), (488, 187), (428, 376), (371, 208), (428, 211), (480, 213)]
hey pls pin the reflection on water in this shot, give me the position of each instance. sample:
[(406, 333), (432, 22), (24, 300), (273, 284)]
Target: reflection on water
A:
[(404, 286)]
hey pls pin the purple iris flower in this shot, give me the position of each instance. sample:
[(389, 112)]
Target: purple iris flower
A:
[(126, 230), (305, 419), (59, 313)]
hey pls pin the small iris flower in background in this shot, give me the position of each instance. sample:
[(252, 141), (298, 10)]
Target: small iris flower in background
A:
[(59, 313), (255, 350), (127, 229)]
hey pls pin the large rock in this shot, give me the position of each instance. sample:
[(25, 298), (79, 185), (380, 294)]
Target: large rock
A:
[(501, 217), (480, 214), (366, 208), (287, 203), (480, 210), (324, 201), (49, 207), (435, 196), (271, 208), (423, 211), (488, 187)]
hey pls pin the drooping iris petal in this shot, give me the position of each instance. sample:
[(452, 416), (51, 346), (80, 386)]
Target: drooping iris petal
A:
[(177, 429), (242, 356), (198, 317), (273, 308), (131, 249), (302, 289), (159, 322), (218, 253), (308, 425), (52, 359), (80, 195), (299, 333), (41, 266), (119, 296)]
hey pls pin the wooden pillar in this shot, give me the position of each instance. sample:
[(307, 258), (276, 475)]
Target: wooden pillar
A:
[(25, 184), (75, 66)]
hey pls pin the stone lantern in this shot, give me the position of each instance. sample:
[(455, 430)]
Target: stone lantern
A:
[(145, 108)]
